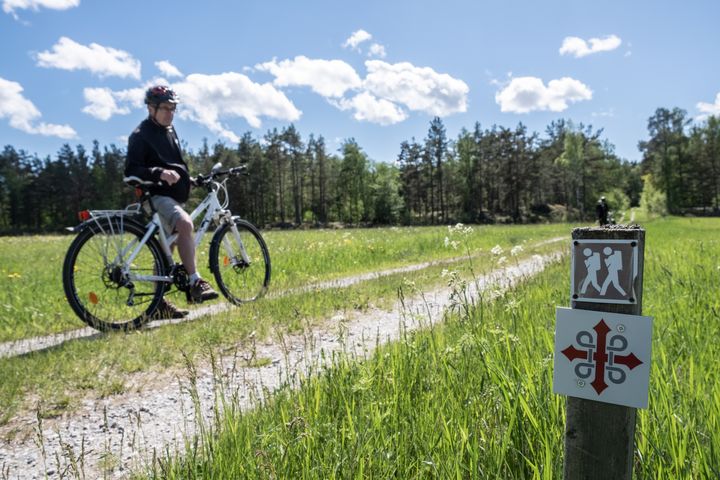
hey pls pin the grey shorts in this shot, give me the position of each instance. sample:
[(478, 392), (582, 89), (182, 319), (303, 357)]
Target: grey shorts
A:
[(169, 210)]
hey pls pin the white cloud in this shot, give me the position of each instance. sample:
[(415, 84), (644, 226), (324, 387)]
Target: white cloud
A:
[(380, 96), (369, 108), (329, 78), (418, 88), (54, 130), (102, 103), (168, 69), (207, 99), (579, 48), (23, 114), (383, 97), (100, 60), (709, 109), (377, 50), (356, 39), (9, 6), (526, 94), (135, 97)]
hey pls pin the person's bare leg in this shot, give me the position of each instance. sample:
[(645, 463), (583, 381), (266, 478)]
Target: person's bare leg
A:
[(166, 308), (200, 290), (186, 243)]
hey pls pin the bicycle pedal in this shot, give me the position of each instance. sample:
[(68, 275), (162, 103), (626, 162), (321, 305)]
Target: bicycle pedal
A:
[(192, 300)]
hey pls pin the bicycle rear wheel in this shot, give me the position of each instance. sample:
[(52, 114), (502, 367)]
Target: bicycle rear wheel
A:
[(240, 261), (96, 285)]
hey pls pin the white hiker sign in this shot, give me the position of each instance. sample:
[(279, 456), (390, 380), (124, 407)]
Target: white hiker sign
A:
[(602, 356), (604, 271)]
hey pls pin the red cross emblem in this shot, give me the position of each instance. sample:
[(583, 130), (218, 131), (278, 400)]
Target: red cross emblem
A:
[(601, 355)]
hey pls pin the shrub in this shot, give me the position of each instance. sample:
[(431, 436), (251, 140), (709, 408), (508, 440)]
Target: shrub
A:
[(652, 201)]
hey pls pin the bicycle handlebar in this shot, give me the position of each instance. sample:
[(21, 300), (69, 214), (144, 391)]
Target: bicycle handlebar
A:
[(233, 172), (199, 180)]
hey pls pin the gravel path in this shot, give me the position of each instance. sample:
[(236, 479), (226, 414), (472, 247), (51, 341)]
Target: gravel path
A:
[(108, 438)]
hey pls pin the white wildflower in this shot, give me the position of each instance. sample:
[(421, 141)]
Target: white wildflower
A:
[(497, 250), (460, 229), (516, 250), (502, 260)]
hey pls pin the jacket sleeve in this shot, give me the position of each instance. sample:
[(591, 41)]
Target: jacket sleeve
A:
[(136, 161)]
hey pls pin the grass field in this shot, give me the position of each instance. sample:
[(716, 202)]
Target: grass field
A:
[(32, 303), (32, 300), (472, 398), (468, 399)]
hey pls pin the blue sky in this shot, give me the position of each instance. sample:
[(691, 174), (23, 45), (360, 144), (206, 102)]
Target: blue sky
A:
[(72, 71)]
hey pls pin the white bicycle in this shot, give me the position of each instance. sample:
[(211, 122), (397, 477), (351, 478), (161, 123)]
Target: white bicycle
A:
[(120, 265)]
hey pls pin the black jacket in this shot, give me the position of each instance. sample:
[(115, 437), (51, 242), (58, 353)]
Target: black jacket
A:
[(152, 148)]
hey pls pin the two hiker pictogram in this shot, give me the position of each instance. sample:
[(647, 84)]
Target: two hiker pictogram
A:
[(604, 271), (613, 264)]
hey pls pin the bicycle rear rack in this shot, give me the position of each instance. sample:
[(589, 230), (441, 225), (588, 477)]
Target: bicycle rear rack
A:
[(85, 216)]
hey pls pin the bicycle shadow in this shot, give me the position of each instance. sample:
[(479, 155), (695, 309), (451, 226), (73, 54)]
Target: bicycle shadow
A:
[(46, 343)]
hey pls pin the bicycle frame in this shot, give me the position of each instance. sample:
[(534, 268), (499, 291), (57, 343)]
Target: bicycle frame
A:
[(214, 213)]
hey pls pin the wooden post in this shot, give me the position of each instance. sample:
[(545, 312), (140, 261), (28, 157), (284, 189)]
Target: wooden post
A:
[(599, 437)]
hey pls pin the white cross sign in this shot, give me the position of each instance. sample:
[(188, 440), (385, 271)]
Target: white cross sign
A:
[(604, 271), (602, 356)]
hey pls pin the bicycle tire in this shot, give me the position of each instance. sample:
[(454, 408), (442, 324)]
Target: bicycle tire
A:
[(238, 280), (92, 282)]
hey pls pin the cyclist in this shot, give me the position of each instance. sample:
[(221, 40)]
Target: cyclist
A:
[(154, 154)]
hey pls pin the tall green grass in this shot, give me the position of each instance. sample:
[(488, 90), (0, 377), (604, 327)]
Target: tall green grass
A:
[(679, 435), (472, 398)]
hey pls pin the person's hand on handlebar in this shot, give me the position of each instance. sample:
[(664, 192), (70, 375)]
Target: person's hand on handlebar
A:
[(198, 181), (169, 176)]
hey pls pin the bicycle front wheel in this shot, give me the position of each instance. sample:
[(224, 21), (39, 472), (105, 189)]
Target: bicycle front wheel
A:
[(101, 287), (240, 261)]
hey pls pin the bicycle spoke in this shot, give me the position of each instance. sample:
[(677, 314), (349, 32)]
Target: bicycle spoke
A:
[(97, 281), (240, 262)]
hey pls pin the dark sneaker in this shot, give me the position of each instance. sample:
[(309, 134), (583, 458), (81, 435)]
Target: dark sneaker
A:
[(200, 292), (167, 310)]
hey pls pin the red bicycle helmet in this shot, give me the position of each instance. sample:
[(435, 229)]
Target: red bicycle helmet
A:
[(159, 94)]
